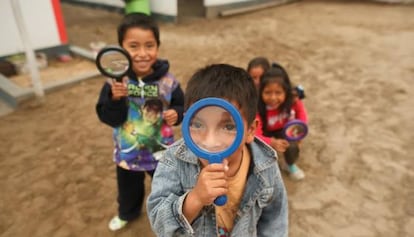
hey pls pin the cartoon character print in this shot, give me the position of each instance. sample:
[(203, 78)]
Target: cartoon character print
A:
[(144, 132), (139, 136), (166, 85), (167, 134)]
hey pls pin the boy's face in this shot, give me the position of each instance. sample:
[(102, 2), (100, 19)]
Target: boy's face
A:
[(234, 161), (150, 116), (214, 130), (143, 49)]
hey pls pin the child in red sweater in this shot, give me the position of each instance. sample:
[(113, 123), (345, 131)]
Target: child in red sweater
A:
[(277, 105)]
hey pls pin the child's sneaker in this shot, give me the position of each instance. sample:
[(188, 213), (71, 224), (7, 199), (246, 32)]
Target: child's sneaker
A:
[(116, 223), (295, 172)]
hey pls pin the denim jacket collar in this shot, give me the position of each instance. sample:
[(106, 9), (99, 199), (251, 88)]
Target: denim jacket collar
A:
[(184, 153)]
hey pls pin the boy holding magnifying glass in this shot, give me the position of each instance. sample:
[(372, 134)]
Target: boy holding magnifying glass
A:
[(185, 186), (140, 108)]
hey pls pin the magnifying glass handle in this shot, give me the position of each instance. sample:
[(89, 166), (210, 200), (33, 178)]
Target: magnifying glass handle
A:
[(220, 200)]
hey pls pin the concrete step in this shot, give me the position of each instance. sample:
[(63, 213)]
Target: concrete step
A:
[(11, 95), (5, 108)]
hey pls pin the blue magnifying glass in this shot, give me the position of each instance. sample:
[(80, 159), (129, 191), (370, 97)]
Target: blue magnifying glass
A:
[(295, 130), (213, 129)]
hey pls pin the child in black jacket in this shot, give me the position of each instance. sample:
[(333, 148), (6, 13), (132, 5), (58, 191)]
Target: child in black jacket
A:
[(141, 109)]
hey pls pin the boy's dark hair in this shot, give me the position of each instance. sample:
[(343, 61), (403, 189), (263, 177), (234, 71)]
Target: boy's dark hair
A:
[(278, 75), (154, 105), (139, 20), (259, 61), (223, 81)]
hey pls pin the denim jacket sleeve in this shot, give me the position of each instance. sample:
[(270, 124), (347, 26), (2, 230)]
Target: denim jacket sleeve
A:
[(274, 218), (165, 202)]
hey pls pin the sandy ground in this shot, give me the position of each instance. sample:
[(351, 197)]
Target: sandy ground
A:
[(356, 61)]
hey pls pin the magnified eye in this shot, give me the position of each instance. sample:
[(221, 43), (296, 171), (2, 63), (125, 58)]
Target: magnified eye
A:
[(196, 125), (230, 127)]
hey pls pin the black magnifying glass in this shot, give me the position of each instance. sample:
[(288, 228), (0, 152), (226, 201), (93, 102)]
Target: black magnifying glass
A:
[(295, 130), (213, 130), (113, 62)]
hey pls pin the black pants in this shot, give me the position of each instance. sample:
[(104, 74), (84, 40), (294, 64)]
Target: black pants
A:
[(131, 192), (292, 152)]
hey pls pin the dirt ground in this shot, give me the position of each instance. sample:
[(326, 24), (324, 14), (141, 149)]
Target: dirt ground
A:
[(356, 62)]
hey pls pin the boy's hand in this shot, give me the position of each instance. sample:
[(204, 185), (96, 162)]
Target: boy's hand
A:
[(118, 89), (279, 145), (211, 183), (170, 116)]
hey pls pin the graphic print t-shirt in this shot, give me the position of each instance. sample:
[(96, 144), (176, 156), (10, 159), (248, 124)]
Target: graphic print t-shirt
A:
[(144, 132)]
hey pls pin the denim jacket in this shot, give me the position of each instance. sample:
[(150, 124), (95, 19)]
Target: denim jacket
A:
[(263, 210)]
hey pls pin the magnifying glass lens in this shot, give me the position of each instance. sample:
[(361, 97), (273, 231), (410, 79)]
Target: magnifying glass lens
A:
[(295, 131), (213, 129), (114, 63)]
